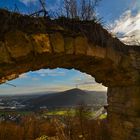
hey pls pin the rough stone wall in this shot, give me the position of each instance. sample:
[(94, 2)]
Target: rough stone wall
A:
[(22, 52), (23, 39), (124, 112)]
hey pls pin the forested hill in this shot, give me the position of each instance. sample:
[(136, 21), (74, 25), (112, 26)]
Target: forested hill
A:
[(68, 98)]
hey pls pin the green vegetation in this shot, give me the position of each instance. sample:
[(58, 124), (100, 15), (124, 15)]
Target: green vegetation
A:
[(71, 112), (103, 116)]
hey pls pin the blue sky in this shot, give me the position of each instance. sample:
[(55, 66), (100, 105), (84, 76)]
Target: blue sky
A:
[(110, 10), (51, 80), (119, 14)]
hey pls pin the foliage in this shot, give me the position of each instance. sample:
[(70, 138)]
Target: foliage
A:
[(67, 127), (103, 116)]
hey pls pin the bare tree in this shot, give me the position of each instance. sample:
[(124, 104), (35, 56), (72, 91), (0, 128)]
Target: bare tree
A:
[(82, 9), (67, 8), (70, 7), (73, 8), (87, 11)]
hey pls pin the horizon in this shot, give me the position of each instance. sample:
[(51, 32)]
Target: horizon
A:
[(50, 92)]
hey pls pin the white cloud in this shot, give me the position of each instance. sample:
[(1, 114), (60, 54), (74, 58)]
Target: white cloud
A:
[(127, 28), (23, 76), (48, 72), (135, 5), (26, 2), (57, 74), (93, 87)]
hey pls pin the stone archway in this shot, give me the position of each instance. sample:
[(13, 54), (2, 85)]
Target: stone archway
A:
[(29, 44)]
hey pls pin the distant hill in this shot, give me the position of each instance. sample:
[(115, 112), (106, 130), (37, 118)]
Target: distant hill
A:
[(68, 98)]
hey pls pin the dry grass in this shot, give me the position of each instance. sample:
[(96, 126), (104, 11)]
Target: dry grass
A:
[(77, 127)]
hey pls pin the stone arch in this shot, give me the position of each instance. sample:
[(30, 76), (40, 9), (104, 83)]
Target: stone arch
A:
[(29, 44)]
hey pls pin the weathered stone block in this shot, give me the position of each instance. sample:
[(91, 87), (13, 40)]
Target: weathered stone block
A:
[(12, 76), (96, 51), (41, 43), (81, 45), (113, 55), (57, 42), (124, 112), (4, 55), (18, 44), (69, 45)]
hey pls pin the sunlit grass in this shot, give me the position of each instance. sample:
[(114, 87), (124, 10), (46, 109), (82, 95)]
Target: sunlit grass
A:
[(71, 112), (103, 116)]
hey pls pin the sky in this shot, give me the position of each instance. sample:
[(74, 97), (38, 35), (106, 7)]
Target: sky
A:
[(120, 17)]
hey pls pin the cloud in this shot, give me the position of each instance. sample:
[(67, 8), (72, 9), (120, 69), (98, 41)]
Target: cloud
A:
[(135, 5), (127, 28), (94, 87), (47, 88), (83, 78), (26, 2), (52, 74), (48, 72), (36, 81), (23, 76)]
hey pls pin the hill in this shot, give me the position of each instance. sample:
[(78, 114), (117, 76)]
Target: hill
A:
[(68, 98)]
